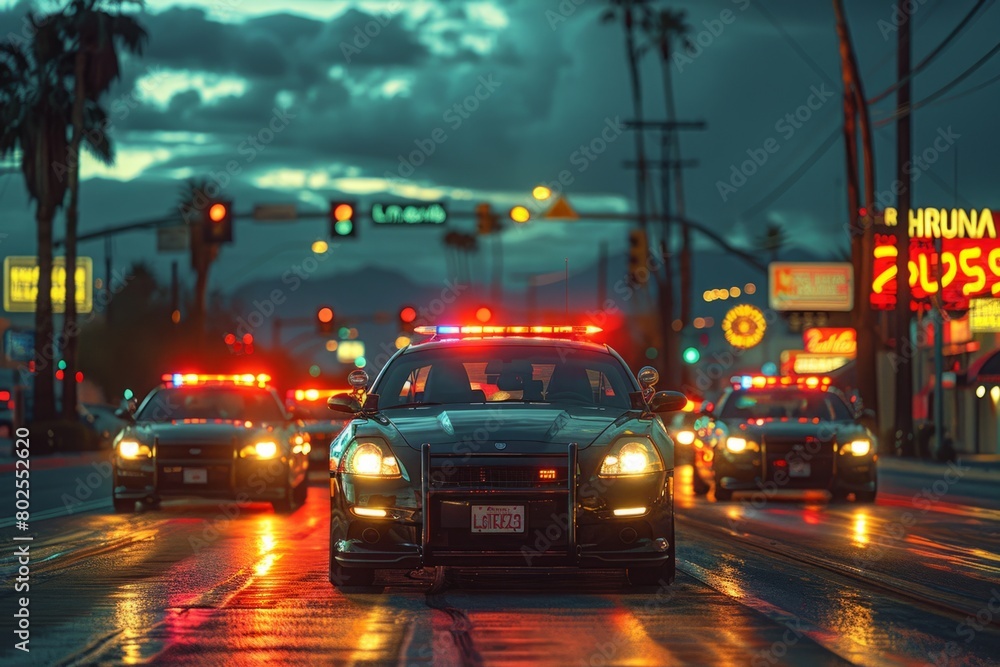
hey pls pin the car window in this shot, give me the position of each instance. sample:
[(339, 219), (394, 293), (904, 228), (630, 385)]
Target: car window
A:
[(488, 374), (201, 402), (785, 404)]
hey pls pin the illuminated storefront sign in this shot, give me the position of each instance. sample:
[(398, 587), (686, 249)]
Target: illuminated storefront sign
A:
[(20, 280), (800, 362), (967, 266), (744, 326), (839, 341), (984, 315), (823, 286)]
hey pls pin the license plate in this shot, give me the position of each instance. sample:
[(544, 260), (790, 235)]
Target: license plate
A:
[(195, 476), (498, 518), (798, 469)]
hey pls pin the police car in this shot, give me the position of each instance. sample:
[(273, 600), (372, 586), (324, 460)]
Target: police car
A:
[(775, 433), (507, 446), (320, 424), (211, 436)]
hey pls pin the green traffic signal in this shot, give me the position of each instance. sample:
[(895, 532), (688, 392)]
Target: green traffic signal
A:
[(691, 355)]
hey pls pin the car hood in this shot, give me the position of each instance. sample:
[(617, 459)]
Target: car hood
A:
[(783, 430), (517, 425), (184, 431)]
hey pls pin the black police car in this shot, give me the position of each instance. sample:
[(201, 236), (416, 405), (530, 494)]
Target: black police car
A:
[(771, 433), (503, 446), (211, 436)]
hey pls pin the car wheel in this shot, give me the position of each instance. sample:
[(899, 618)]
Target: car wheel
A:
[(722, 495), (301, 492), (701, 487), (123, 505), (867, 496), (287, 502)]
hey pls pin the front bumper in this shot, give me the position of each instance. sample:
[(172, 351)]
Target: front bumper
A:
[(761, 471), (235, 478), (567, 526)]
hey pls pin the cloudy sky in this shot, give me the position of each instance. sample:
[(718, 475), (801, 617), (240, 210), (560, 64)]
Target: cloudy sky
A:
[(339, 113)]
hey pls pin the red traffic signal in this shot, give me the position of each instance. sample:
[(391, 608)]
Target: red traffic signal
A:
[(484, 314), (217, 223), (343, 219), (407, 314), (324, 319)]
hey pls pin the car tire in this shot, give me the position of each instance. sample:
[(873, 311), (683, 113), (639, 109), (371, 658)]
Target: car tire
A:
[(700, 486), (722, 495), (352, 579), (287, 503), (124, 505), (301, 492)]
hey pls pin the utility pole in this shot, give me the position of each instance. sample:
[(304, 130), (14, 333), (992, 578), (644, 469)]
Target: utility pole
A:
[(602, 275), (904, 349)]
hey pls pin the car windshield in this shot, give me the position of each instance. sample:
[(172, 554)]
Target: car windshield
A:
[(247, 403), (785, 404), (505, 373)]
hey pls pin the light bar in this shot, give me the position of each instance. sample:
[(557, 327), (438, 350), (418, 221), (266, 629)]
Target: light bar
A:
[(492, 330), (247, 379), (762, 381), (313, 394)]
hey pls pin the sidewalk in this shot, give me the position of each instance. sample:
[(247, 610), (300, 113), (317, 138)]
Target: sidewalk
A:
[(8, 463), (982, 467)]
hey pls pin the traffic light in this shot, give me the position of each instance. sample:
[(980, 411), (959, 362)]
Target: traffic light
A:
[(487, 222), (638, 251), (324, 320), (407, 316), (217, 223), (483, 314), (691, 355), (343, 219)]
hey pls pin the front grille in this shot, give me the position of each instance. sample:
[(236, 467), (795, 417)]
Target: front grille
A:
[(499, 477), (194, 452)]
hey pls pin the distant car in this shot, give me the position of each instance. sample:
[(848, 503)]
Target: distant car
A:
[(681, 430), (504, 446), (211, 436), (769, 433), (321, 424)]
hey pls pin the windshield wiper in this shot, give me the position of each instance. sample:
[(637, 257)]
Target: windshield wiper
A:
[(409, 405)]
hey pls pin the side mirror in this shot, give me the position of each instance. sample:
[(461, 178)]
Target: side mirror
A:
[(344, 403), (127, 410), (667, 401)]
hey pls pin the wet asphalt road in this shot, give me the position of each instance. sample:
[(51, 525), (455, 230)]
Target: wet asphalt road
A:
[(768, 579)]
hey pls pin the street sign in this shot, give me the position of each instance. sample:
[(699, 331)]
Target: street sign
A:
[(561, 210), (172, 239), (831, 340), (275, 212), (405, 214), (800, 362), (349, 350), (19, 345), (826, 286), (20, 283)]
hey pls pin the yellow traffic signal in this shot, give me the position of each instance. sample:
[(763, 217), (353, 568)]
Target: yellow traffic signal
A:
[(520, 214)]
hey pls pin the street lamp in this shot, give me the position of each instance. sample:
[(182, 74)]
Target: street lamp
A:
[(320, 246), (541, 193)]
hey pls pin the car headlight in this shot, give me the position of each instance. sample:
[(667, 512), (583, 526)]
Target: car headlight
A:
[(736, 445), (369, 459), (131, 449), (265, 449), (634, 456), (685, 437), (859, 447)]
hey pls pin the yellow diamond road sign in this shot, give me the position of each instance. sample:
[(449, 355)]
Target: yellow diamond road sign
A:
[(561, 210)]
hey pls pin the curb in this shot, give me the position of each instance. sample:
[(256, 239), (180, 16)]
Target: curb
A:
[(57, 461)]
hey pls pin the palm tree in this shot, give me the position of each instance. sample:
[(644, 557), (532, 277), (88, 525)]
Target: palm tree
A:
[(34, 106), (633, 13), (91, 35)]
